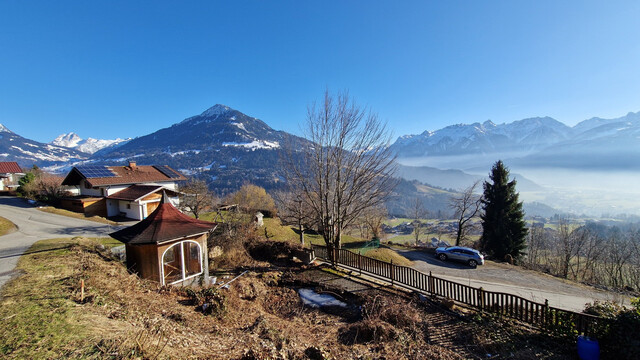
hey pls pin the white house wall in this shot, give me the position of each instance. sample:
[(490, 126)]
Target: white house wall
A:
[(113, 207), (112, 189), (135, 211), (90, 191)]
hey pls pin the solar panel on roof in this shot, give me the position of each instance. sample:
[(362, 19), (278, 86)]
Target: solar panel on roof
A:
[(95, 171), (169, 172)]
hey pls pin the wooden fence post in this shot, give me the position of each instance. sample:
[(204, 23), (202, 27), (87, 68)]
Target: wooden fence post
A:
[(392, 272), (481, 298), (545, 316), (360, 262), (430, 283), (82, 290)]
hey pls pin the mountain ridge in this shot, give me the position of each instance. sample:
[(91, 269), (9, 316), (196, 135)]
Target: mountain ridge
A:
[(26, 152), (531, 140), (89, 145)]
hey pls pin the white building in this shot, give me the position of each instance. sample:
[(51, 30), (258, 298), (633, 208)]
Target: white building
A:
[(132, 191), (10, 174)]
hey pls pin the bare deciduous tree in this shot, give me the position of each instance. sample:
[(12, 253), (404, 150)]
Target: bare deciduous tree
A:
[(196, 197), (50, 187), (466, 206), (373, 218), (293, 210), (417, 213), (253, 198), (347, 169), (537, 243)]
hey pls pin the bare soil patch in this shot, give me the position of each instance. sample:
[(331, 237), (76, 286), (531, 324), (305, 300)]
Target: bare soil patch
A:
[(260, 317)]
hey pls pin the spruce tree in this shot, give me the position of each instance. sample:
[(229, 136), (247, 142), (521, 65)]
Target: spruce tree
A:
[(503, 227)]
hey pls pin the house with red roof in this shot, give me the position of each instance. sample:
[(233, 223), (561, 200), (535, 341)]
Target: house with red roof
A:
[(10, 174), (132, 191)]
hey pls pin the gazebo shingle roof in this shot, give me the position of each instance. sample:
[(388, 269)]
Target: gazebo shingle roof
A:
[(166, 223)]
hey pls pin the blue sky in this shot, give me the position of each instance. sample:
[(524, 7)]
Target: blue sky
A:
[(107, 69)]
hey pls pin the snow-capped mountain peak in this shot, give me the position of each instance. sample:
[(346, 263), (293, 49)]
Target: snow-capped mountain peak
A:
[(4, 129), (521, 136), (69, 140), (89, 146), (217, 109)]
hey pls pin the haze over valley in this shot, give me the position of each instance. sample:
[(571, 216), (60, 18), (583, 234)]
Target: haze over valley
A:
[(588, 169)]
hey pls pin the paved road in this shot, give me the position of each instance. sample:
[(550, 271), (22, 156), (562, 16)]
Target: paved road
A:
[(34, 225), (514, 280)]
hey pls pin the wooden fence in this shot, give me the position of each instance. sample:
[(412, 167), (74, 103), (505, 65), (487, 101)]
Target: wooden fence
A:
[(538, 315)]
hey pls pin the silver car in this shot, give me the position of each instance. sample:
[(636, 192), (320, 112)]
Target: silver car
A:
[(466, 255)]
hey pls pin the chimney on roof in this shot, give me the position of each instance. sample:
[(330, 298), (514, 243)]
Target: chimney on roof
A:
[(132, 165)]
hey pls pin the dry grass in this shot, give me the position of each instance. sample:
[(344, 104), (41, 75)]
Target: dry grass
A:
[(67, 213), (6, 226), (43, 316), (388, 255)]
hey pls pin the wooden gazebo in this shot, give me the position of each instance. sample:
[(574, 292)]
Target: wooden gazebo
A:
[(168, 246)]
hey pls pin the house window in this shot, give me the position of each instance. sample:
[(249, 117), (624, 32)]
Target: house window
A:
[(128, 206), (181, 261)]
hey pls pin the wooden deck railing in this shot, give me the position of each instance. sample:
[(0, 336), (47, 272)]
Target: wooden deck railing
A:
[(538, 315)]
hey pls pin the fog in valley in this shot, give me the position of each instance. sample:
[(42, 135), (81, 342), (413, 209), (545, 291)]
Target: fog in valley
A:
[(591, 192)]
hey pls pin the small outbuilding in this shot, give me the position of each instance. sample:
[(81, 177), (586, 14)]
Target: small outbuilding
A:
[(10, 174), (168, 246), (257, 219)]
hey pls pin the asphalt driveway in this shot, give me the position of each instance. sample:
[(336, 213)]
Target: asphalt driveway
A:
[(34, 225), (511, 279)]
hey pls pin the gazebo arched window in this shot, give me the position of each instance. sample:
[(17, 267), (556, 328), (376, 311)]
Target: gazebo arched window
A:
[(181, 261)]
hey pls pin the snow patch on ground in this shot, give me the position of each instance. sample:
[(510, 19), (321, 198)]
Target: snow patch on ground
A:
[(173, 154), (239, 125), (44, 156), (315, 300), (255, 144)]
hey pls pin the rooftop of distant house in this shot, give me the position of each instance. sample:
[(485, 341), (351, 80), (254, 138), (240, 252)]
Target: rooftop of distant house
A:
[(102, 175), (10, 167)]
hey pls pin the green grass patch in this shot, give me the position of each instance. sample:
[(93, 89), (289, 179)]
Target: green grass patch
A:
[(6, 226), (39, 319), (388, 255)]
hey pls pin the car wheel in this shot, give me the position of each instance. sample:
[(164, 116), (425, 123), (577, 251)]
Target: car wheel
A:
[(473, 263), (442, 257)]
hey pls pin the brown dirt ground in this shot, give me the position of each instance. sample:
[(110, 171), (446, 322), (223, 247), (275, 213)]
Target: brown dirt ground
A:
[(265, 319)]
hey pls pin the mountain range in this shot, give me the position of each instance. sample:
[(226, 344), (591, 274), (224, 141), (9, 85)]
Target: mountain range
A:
[(228, 148), (89, 146), (221, 145), (25, 152)]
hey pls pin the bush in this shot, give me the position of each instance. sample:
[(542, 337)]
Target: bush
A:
[(208, 300), (618, 334)]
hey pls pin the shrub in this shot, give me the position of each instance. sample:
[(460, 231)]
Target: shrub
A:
[(208, 300), (618, 334)]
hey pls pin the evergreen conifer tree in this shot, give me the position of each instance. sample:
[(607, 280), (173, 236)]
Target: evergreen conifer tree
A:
[(503, 227)]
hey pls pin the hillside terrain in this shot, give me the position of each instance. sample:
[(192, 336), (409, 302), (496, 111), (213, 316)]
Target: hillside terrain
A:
[(221, 145), (259, 316), (25, 152)]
